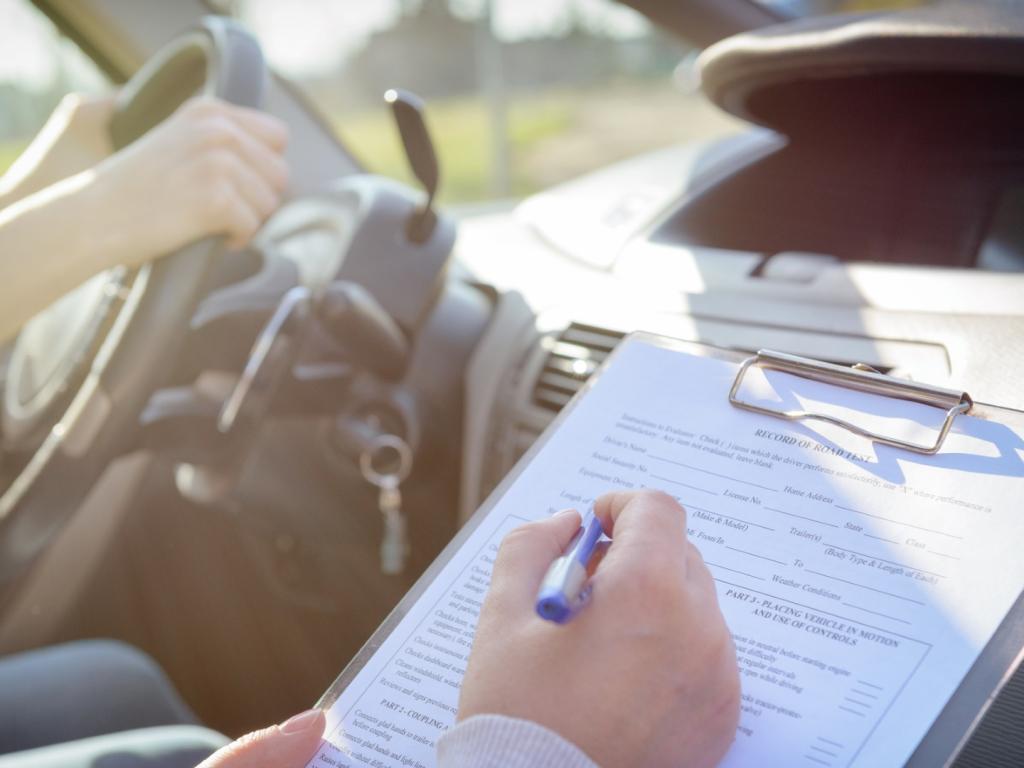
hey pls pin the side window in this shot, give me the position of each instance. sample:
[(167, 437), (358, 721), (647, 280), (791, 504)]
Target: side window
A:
[(38, 66)]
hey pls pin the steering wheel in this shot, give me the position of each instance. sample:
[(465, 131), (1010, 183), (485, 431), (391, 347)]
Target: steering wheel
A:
[(81, 371)]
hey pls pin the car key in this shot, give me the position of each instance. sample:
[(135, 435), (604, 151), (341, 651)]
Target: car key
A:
[(394, 546)]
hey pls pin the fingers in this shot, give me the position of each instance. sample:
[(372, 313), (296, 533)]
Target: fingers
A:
[(223, 134), (255, 199), (289, 745), (268, 129), (241, 168), (238, 221), (649, 554), (263, 127), (649, 519), (525, 555), (697, 570)]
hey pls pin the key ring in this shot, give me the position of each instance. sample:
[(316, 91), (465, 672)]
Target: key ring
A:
[(375, 450)]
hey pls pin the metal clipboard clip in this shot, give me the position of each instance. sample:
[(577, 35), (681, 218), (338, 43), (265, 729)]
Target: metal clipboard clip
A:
[(859, 377)]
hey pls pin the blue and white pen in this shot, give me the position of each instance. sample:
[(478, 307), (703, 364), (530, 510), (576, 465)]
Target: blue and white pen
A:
[(562, 592)]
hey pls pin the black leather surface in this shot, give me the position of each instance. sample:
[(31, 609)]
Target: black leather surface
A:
[(906, 133), (809, 64)]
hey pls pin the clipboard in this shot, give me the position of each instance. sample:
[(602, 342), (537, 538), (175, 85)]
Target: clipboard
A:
[(997, 663)]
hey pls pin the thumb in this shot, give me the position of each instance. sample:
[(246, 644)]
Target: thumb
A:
[(289, 745), (525, 555)]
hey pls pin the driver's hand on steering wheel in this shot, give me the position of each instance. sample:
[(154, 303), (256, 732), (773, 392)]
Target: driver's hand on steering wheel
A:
[(228, 169), (210, 168)]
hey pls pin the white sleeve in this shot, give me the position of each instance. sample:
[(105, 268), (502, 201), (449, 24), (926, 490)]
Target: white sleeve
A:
[(496, 741)]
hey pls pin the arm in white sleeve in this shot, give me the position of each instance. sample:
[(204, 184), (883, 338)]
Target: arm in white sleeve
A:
[(496, 741)]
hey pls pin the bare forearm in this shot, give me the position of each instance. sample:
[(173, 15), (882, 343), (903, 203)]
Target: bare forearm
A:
[(13, 187), (7, 196), (50, 242), (210, 169), (73, 139)]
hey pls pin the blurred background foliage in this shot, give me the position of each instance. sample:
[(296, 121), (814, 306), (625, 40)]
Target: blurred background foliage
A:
[(521, 94)]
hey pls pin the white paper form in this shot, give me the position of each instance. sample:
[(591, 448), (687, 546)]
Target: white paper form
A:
[(860, 583)]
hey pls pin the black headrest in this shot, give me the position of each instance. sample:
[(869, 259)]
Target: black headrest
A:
[(949, 65)]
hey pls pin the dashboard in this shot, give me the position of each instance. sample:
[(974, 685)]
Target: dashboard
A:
[(581, 265)]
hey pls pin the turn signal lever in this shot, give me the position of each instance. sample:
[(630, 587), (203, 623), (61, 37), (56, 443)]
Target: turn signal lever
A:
[(357, 323), (419, 150), (304, 362), (285, 356)]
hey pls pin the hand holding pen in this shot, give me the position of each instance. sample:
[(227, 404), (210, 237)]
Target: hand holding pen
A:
[(565, 588), (648, 658)]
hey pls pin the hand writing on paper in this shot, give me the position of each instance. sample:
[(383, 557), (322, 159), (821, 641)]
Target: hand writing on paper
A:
[(645, 675)]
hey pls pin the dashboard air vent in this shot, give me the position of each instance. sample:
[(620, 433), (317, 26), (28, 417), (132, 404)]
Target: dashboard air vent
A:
[(572, 356)]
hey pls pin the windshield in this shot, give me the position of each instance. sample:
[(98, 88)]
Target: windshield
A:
[(521, 95)]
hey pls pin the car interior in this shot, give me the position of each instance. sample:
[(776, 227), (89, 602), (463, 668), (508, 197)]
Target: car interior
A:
[(195, 454)]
